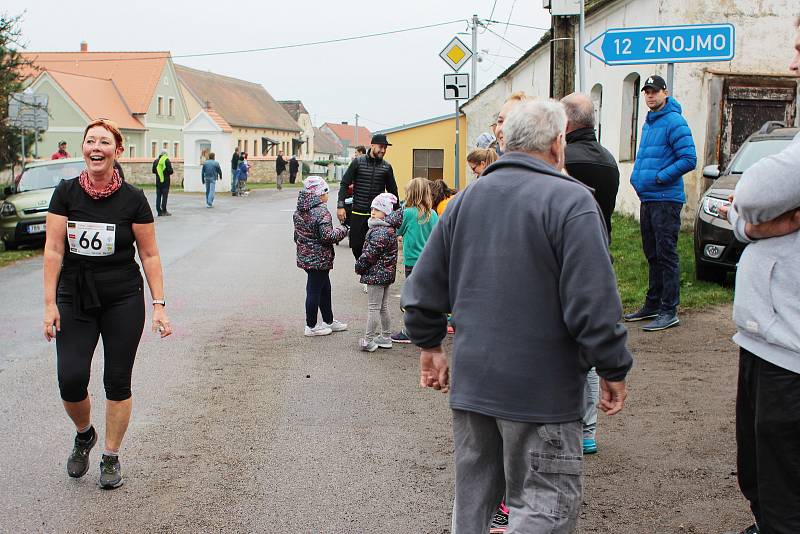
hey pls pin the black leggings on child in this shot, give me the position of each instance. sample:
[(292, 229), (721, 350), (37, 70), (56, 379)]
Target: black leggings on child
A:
[(318, 297)]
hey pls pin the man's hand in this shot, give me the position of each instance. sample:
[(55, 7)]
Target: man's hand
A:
[(341, 214), (612, 396), (434, 371)]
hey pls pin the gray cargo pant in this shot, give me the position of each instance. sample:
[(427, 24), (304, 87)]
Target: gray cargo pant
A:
[(538, 466), (592, 397)]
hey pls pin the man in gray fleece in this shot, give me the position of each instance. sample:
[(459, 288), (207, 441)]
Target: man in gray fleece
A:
[(521, 258), (766, 214)]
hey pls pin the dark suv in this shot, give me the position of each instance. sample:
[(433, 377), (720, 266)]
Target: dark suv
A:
[(716, 250)]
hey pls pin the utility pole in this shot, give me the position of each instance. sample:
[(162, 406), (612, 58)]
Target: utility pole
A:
[(581, 44), (474, 77), (22, 140), (458, 147), (562, 57), (356, 137)]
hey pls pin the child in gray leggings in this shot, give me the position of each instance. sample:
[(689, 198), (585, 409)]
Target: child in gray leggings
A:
[(377, 266)]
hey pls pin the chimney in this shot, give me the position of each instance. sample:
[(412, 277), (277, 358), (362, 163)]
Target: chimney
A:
[(84, 46), (208, 104), (344, 122)]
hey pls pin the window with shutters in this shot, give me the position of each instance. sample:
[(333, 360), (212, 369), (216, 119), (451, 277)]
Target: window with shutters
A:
[(428, 163)]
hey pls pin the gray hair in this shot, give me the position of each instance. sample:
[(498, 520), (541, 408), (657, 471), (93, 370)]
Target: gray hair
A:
[(580, 110), (532, 126)]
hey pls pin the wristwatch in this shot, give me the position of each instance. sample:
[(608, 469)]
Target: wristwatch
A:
[(160, 301)]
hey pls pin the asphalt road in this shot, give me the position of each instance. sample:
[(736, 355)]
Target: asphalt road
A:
[(240, 423)]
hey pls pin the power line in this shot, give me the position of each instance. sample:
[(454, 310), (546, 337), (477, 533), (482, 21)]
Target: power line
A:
[(268, 48), (504, 39), (488, 21), (375, 122)]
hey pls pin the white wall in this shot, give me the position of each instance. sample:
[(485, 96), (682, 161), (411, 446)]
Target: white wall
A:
[(202, 129)]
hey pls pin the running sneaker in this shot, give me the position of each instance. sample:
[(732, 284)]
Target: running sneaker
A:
[(336, 326), (110, 472), (319, 330), (752, 529), (589, 446), (401, 337), (78, 461), (640, 315), (500, 521), (367, 345), (383, 342), (450, 329)]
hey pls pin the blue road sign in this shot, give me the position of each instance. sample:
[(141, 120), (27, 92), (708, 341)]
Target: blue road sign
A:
[(664, 44)]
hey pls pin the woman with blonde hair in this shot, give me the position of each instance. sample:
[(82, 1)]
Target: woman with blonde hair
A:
[(419, 218)]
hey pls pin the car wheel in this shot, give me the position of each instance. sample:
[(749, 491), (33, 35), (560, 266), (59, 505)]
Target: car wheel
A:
[(10, 246), (708, 273)]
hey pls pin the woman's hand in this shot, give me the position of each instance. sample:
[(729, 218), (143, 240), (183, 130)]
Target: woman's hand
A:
[(161, 322), (51, 319)]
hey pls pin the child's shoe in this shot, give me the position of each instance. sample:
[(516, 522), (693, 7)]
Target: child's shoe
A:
[(319, 330), (368, 345), (336, 326), (383, 342), (500, 520), (589, 446), (401, 337)]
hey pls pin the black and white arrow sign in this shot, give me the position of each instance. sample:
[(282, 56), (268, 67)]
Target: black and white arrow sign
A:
[(456, 87)]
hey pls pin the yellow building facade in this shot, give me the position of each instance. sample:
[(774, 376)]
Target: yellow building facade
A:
[(427, 149)]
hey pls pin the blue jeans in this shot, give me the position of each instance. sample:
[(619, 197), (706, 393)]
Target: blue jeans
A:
[(211, 186), (234, 181), (660, 223)]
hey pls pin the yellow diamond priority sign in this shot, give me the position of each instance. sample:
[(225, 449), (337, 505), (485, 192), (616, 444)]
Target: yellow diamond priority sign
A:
[(456, 54)]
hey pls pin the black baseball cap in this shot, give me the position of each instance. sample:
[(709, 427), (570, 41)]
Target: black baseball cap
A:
[(655, 82)]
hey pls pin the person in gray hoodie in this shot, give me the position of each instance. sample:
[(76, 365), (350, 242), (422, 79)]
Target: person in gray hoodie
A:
[(535, 302), (766, 309)]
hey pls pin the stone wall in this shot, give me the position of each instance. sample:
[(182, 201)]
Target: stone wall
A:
[(140, 170)]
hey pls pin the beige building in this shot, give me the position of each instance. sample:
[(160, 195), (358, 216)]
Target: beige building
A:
[(298, 112), (261, 126)]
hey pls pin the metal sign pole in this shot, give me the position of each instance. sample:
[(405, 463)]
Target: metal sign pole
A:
[(22, 138), (671, 78), (458, 143)]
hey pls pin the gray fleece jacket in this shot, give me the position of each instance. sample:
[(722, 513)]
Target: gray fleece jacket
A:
[(521, 258), (766, 308)]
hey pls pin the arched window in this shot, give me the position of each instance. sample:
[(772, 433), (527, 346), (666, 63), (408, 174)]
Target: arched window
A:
[(597, 100), (629, 127)]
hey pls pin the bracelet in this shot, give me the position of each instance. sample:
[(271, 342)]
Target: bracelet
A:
[(160, 301)]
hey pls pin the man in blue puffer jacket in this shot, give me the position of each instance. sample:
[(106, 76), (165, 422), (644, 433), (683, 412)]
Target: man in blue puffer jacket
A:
[(666, 153)]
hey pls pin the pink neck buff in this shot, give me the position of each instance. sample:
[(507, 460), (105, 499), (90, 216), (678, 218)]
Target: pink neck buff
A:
[(107, 191)]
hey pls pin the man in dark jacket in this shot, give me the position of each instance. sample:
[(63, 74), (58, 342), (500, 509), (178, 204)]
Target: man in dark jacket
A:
[(370, 175), (294, 166), (586, 159), (280, 170), (235, 159), (535, 303), (665, 154), (162, 168)]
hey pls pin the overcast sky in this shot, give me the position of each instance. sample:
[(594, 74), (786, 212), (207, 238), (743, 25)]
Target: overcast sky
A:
[(388, 80)]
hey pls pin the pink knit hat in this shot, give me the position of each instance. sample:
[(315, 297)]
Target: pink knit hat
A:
[(315, 185), (384, 202)]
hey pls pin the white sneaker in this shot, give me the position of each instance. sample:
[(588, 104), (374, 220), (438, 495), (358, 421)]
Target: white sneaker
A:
[(383, 342), (336, 326), (367, 346), (364, 288), (319, 330)]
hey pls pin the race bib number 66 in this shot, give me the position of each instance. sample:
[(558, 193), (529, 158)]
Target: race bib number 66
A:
[(91, 239)]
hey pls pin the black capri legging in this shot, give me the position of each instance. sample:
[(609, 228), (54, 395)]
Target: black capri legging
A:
[(119, 318)]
